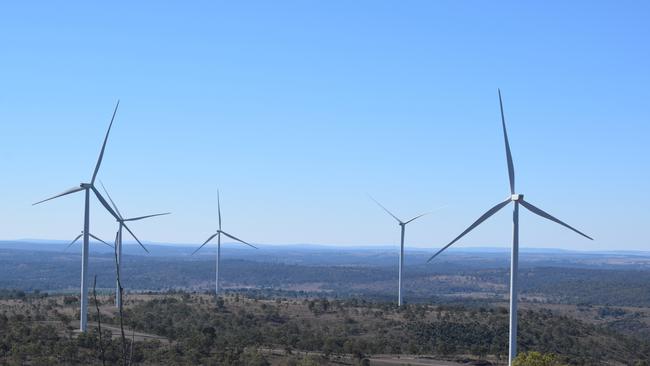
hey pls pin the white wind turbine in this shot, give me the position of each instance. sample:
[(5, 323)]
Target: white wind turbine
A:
[(402, 225), (87, 187), (118, 239), (517, 199), (218, 235)]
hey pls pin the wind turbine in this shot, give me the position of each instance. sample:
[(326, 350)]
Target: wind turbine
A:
[(118, 239), (218, 235), (87, 188), (517, 199), (402, 225)]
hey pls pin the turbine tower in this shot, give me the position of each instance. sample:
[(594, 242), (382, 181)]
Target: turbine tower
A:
[(118, 239), (218, 235), (87, 188), (402, 225), (516, 199)]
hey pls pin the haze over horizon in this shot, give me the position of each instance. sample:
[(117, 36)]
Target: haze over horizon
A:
[(297, 112), (134, 248)]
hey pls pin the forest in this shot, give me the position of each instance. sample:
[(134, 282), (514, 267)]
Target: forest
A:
[(479, 277)]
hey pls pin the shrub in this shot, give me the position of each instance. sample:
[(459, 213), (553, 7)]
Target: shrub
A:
[(537, 359)]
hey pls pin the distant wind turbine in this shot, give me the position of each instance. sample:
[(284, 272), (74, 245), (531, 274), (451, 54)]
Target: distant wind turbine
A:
[(517, 199), (87, 187), (118, 238), (402, 225), (218, 235)]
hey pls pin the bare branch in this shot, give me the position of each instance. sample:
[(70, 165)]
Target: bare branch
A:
[(132, 345), (120, 293), (99, 321)]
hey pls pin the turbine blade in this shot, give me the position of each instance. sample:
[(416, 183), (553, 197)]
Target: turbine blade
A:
[(74, 241), (105, 204), (385, 209), (237, 239), (206, 242), (117, 236), (476, 223), (110, 199), (146, 217), (219, 208), (69, 191), (99, 240), (511, 167), (101, 153), (540, 212), (417, 217), (135, 237)]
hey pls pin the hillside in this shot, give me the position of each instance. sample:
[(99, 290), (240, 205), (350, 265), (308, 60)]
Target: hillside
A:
[(239, 330)]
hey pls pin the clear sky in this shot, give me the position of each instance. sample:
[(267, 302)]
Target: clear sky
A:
[(297, 110)]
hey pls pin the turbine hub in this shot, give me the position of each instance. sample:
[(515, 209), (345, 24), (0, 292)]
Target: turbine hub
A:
[(517, 197), (85, 185)]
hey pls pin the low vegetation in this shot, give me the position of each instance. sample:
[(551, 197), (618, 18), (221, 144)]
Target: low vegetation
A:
[(240, 330)]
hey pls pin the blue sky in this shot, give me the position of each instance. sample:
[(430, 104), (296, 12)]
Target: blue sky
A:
[(298, 110)]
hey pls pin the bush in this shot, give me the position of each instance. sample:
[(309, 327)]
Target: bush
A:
[(537, 359), (253, 358)]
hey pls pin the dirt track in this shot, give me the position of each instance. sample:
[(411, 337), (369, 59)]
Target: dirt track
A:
[(139, 336), (378, 360), (391, 360)]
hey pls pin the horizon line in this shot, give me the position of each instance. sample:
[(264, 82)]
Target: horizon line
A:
[(340, 246)]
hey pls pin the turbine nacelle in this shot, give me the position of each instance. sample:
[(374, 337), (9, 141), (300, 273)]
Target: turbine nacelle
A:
[(399, 221), (517, 197)]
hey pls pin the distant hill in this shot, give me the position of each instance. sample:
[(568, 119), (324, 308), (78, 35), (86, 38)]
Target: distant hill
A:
[(280, 250)]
